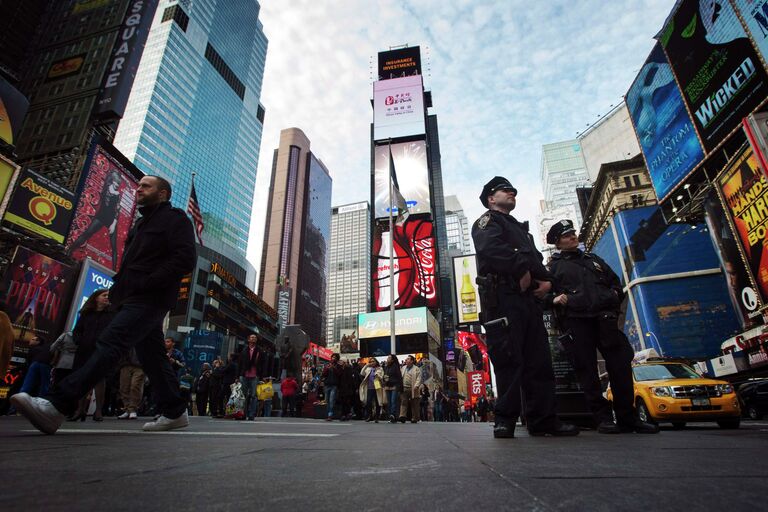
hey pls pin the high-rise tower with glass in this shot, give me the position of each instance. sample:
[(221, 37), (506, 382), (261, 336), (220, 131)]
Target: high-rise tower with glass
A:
[(194, 108)]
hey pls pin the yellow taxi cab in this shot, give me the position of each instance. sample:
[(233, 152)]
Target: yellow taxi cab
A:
[(674, 392)]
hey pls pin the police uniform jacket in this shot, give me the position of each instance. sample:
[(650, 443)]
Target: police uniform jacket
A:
[(505, 248), (159, 251), (592, 287)]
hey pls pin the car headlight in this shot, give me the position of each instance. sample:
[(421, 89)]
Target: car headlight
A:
[(663, 391), (725, 388)]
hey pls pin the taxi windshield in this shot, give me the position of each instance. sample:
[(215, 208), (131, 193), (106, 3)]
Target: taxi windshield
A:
[(664, 372)]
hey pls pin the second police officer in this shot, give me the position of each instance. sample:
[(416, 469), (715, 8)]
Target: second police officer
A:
[(511, 277), (587, 297)]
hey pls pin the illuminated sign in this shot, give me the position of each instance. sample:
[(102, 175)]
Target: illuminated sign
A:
[(92, 277), (399, 63), (465, 289), (410, 159), (407, 321), (65, 67), (398, 108)]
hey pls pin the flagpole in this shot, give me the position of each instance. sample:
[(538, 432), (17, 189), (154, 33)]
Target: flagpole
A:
[(392, 337)]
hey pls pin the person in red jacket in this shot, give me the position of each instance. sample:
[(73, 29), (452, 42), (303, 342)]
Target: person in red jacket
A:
[(289, 387)]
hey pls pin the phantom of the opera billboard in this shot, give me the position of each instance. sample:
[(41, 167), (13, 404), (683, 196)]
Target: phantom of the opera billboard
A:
[(398, 108), (717, 68), (414, 272), (410, 159), (664, 130), (41, 206), (106, 207), (744, 192), (36, 290)]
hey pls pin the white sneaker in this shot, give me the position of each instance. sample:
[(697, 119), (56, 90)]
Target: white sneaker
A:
[(163, 423), (133, 416), (40, 412), (124, 416)]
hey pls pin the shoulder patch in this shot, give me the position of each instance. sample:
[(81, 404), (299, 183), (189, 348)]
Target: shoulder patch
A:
[(483, 221)]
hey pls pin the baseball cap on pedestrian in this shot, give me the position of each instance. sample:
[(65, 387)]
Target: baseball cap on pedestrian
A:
[(496, 184), (559, 229)]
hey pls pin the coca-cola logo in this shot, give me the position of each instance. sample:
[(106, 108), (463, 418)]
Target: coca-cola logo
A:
[(424, 284)]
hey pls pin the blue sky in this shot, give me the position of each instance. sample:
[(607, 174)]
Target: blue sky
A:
[(506, 77)]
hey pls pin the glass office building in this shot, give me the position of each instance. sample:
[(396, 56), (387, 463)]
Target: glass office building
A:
[(194, 108), (562, 170)]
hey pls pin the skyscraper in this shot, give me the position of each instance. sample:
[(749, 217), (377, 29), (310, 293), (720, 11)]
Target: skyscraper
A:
[(194, 108), (349, 284), (294, 266), (457, 227)]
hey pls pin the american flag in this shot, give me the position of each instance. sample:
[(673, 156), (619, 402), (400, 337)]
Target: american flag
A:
[(193, 209)]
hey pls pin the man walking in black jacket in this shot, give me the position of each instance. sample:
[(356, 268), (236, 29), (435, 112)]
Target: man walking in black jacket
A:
[(159, 251)]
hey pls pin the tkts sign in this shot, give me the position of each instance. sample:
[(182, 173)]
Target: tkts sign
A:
[(475, 386), (413, 251)]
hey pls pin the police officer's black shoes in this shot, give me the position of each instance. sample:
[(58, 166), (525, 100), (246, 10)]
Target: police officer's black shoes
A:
[(640, 427), (608, 427), (503, 431), (559, 430)]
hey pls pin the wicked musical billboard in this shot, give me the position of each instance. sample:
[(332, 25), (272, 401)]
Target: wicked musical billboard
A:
[(717, 68), (106, 207), (413, 255), (36, 290), (40, 206), (743, 190)]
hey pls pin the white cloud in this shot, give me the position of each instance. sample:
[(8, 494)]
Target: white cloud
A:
[(506, 78)]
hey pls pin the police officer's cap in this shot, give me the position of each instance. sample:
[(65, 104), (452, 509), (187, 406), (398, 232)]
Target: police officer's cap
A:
[(559, 229), (496, 184)]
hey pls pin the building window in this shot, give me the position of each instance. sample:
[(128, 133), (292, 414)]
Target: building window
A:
[(202, 278), (636, 179), (225, 71), (197, 303), (627, 182)]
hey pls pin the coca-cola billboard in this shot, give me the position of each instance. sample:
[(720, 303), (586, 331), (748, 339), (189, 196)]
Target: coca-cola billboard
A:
[(413, 251)]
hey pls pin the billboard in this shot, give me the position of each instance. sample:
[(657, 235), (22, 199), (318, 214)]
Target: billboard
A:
[(106, 206), (348, 344), (92, 277), (398, 108), (201, 347), (465, 291), (400, 63), (125, 58), (744, 190), (410, 159), (716, 66), (664, 130), (64, 68), (36, 290), (474, 345), (40, 206), (475, 386), (755, 16), (407, 321), (13, 110), (413, 248), (9, 173)]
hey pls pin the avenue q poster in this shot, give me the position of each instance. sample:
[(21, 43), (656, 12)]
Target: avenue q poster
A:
[(744, 191)]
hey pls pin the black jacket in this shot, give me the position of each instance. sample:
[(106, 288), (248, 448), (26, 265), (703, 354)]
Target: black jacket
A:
[(229, 375), (505, 248), (159, 251), (87, 331), (246, 361), (392, 376), (592, 287)]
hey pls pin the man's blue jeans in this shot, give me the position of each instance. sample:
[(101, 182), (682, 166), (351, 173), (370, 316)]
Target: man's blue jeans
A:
[(330, 397), (134, 325), (249, 390), (392, 395), (37, 379)]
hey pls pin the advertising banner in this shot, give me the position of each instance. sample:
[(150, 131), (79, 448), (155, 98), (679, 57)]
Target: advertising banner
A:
[(124, 62), (9, 173), (476, 348), (407, 321), (410, 159), (398, 108), (744, 191), (201, 347), (36, 290), (399, 63), (467, 301), (283, 305), (13, 110), (349, 344), (319, 351), (475, 386), (106, 206), (718, 70), (414, 270), (65, 67), (92, 277), (664, 130), (755, 16), (40, 206), (566, 379), (756, 128)]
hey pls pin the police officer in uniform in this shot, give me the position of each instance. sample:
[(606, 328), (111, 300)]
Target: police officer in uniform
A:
[(587, 296), (511, 277)]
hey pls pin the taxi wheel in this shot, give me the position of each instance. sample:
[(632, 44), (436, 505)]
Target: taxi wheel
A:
[(678, 425), (642, 412), (729, 423), (753, 413)]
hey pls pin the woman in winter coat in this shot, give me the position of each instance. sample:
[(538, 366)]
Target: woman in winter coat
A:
[(94, 317), (393, 385), (372, 389)]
